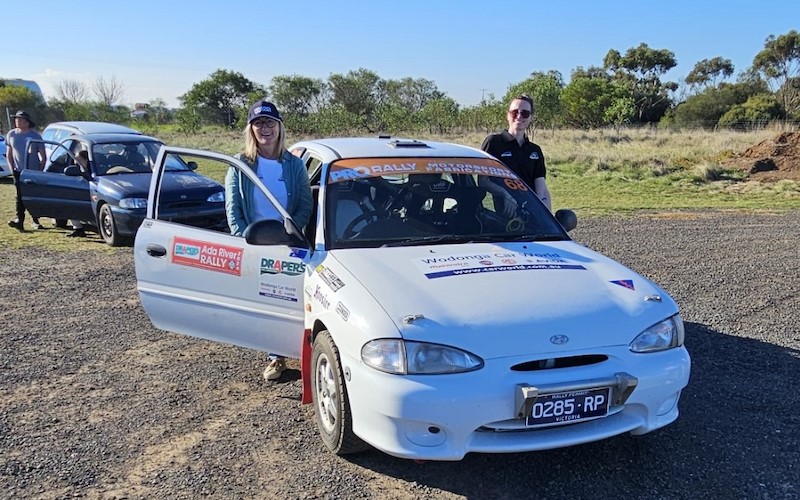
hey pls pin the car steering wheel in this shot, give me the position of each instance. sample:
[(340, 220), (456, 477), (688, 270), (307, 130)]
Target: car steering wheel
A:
[(350, 230)]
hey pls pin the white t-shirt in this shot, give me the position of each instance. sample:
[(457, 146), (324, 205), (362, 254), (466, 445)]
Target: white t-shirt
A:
[(271, 174)]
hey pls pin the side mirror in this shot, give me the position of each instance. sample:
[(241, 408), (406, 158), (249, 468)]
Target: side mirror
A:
[(192, 165), (75, 171), (72, 171), (567, 218), (273, 232)]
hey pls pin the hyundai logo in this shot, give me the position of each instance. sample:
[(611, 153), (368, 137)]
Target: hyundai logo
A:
[(559, 339)]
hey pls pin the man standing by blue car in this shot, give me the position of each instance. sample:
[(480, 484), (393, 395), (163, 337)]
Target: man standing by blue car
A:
[(16, 147)]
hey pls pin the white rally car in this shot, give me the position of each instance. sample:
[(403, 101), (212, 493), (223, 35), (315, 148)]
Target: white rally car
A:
[(436, 306)]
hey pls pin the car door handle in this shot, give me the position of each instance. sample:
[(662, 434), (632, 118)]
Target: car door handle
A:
[(155, 250)]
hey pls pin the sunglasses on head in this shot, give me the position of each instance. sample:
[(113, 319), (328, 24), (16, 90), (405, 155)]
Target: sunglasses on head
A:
[(524, 113)]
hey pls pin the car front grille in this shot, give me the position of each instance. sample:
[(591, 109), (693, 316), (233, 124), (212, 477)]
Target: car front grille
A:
[(566, 362)]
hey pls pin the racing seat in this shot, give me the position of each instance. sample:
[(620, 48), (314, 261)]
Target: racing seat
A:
[(448, 207), (347, 205)]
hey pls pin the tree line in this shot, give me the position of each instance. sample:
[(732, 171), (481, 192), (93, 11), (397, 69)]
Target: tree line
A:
[(627, 89)]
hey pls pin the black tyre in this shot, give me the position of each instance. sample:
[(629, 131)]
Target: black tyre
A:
[(61, 223), (108, 227), (331, 405)]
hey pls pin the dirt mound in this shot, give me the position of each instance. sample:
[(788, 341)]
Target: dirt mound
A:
[(772, 159)]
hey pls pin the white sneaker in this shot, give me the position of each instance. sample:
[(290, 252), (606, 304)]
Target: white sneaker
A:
[(275, 368)]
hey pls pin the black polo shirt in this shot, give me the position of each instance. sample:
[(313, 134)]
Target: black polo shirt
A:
[(527, 161)]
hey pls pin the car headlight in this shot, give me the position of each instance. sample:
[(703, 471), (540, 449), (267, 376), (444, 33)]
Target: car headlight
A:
[(660, 337), (133, 203), (218, 197), (405, 357)]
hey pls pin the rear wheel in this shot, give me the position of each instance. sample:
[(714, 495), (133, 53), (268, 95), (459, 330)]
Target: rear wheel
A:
[(108, 227), (331, 404), (61, 223)]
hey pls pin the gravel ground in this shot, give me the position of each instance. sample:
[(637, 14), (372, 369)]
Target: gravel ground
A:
[(96, 403)]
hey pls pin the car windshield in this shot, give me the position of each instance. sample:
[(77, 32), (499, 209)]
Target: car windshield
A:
[(131, 157), (413, 201)]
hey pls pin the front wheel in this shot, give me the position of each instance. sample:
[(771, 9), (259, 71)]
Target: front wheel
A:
[(108, 227), (331, 405)]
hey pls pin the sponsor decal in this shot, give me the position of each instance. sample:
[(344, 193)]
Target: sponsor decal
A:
[(626, 283), (516, 267), (360, 171), (454, 265), (277, 266), (330, 278), (342, 311), (278, 291), (441, 186), (205, 255), (469, 168), (349, 169), (320, 297)]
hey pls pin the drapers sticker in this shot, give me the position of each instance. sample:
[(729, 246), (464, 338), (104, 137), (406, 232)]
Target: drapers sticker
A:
[(277, 266), (454, 265), (626, 283), (205, 255)]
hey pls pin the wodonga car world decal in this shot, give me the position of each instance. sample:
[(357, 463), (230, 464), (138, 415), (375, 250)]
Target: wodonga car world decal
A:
[(441, 266)]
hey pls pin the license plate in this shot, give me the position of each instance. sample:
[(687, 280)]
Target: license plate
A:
[(566, 407)]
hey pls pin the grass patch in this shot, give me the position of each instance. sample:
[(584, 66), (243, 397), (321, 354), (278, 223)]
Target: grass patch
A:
[(591, 172), (50, 237)]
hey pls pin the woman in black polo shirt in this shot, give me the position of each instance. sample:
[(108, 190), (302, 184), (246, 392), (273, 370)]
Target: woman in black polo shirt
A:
[(513, 148)]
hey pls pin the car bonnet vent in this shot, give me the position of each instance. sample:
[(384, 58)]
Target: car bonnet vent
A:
[(398, 143)]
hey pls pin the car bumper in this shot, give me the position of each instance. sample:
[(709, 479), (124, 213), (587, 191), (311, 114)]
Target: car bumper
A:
[(128, 221), (444, 417)]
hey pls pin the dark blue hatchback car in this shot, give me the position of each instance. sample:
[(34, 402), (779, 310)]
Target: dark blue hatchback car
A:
[(113, 197)]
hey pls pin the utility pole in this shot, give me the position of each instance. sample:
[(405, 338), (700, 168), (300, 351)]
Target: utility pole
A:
[(483, 91)]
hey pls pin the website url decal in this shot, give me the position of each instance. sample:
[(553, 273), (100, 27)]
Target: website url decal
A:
[(494, 269)]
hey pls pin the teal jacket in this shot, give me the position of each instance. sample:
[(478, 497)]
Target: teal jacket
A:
[(239, 193)]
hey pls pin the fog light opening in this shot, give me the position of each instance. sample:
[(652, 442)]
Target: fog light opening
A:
[(668, 405)]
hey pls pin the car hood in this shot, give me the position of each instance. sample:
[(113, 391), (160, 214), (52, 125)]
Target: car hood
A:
[(138, 185), (509, 299)]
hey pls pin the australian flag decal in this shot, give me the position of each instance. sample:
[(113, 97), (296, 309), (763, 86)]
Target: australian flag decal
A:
[(626, 283)]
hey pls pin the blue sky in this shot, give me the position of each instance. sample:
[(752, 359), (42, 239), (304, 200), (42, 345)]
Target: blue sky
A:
[(469, 48)]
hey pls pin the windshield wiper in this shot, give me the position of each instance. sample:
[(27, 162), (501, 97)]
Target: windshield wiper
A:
[(533, 237), (433, 239)]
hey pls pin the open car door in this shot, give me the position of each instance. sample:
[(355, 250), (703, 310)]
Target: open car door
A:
[(53, 192), (196, 279)]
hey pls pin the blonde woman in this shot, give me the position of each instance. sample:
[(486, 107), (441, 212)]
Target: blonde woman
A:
[(281, 172)]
